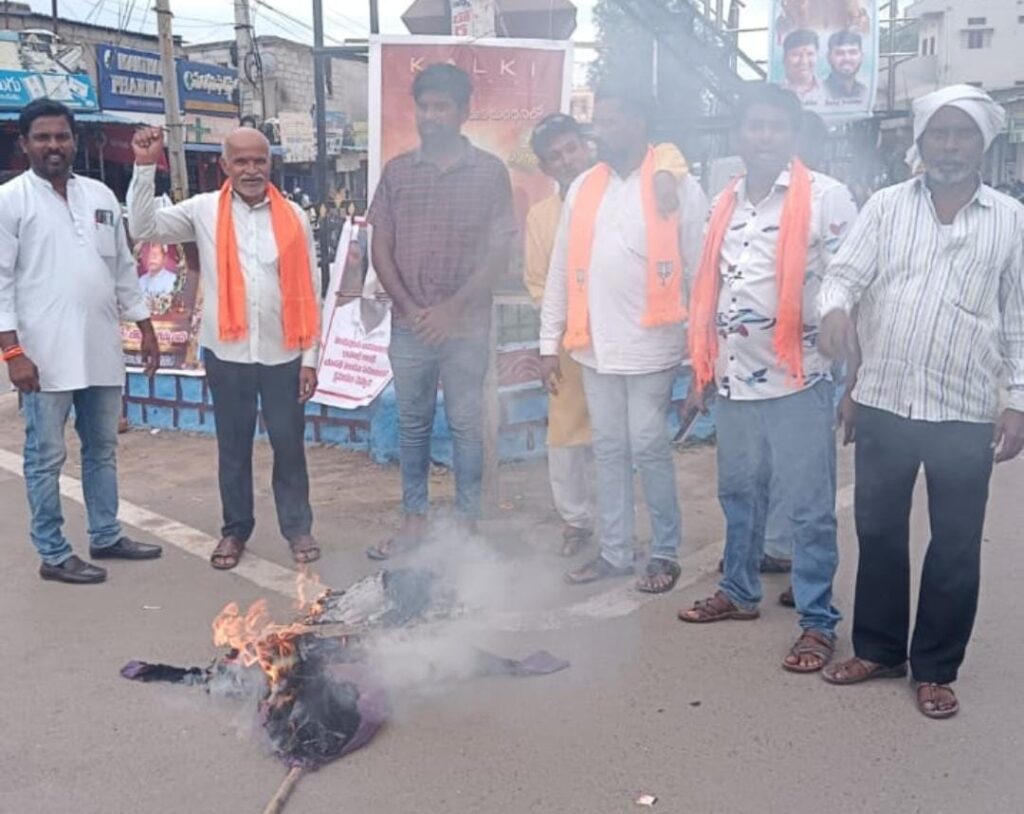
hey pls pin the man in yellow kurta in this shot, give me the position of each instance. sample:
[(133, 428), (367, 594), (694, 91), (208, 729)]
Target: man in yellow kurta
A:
[(564, 154)]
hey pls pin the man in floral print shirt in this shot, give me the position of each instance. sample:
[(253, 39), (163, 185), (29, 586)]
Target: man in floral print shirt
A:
[(775, 418)]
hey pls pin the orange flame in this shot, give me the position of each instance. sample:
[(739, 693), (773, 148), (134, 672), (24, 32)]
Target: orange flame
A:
[(308, 588), (258, 639)]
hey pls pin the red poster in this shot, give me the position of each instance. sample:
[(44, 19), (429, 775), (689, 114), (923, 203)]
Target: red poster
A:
[(516, 83)]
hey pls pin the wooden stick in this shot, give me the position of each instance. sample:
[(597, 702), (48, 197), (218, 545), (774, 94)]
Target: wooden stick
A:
[(276, 804)]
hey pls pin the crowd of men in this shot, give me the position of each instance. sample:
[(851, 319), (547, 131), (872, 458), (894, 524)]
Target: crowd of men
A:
[(769, 291)]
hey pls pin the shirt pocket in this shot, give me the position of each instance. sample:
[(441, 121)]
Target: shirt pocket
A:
[(106, 241), (974, 283)]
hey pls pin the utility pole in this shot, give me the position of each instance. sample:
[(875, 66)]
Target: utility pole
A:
[(374, 17), (319, 82), (172, 107), (246, 50), (54, 12)]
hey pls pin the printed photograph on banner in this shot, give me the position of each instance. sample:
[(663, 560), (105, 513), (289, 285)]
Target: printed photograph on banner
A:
[(515, 85), (826, 52), (169, 279)]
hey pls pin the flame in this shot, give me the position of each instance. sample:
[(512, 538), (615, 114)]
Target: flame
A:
[(257, 639), (308, 589), (260, 641)]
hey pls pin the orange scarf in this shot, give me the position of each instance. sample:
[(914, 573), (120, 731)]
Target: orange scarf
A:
[(664, 262), (790, 268), (299, 313)]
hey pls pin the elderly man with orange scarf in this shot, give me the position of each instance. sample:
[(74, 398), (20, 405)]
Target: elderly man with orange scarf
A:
[(614, 299), (260, 325), (753, 337)]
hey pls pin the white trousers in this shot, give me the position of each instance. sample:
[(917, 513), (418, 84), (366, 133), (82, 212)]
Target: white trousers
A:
[(571, 471)]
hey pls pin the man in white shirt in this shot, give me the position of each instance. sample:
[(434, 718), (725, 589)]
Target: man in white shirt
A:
[(67, 279), (260, 325), (935, 267), (753, 340), (630, 356)]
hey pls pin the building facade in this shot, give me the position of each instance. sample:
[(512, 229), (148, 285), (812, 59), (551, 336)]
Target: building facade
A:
[(280, 91)]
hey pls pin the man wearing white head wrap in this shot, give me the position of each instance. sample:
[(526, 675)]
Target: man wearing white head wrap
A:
[(936, 266), (987, 115)]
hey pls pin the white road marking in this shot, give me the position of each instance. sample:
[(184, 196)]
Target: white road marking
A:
[(264, 573), (619, 601)]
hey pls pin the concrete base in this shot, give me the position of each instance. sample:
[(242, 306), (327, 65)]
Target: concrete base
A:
[(179, 402)]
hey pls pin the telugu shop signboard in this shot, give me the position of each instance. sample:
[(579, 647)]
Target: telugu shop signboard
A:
[(131, 80)]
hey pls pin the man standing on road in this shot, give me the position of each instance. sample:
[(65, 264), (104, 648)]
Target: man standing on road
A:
[(614, 299), (563, 155), (753, 337), (935, 267), (67, 279), (443, 228), (260, 325)]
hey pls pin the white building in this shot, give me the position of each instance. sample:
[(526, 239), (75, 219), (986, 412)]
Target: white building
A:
[(978, 42)]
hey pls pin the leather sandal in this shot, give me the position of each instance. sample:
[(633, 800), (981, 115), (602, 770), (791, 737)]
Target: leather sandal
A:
[(811, 643), (717, 608), (227, 553), (857, 671), (928, 695)]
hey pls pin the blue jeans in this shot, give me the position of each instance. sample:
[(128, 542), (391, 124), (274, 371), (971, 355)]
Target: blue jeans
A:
[(97, 411), (461, 365), (784, 448), (629, 415)]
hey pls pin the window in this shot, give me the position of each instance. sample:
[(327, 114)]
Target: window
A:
[(975, 40), (976, 20), (1021, 19)]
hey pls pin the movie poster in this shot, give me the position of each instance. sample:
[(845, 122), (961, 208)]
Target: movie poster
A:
[(516, 83), (826, 52), (169, 279)]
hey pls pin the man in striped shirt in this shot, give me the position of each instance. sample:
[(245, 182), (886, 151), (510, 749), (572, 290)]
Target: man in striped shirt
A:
[(935, 267)]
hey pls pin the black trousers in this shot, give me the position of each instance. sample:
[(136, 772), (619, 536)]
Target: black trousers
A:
[(239, 391), (957, 459)]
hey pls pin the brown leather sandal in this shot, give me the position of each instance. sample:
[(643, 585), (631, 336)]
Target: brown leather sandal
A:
[(930, 698), (227, 553), (811, 643), (304, 549), (857, 671), (716, 608)]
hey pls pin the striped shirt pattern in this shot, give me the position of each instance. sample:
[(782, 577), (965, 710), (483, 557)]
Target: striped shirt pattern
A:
[(941, 307)]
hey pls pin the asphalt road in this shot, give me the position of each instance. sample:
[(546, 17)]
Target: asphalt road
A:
[(701, 717)]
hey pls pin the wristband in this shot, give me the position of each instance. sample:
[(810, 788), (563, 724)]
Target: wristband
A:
[(13, 352)]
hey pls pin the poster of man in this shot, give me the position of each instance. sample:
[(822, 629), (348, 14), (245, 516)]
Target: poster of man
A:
[(826, 51), (169, 278), (158, 267)]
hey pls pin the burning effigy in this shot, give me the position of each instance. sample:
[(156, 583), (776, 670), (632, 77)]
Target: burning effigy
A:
[(319, 696)]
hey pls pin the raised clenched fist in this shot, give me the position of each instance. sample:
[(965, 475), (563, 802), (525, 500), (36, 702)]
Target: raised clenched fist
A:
[(148, 145)]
